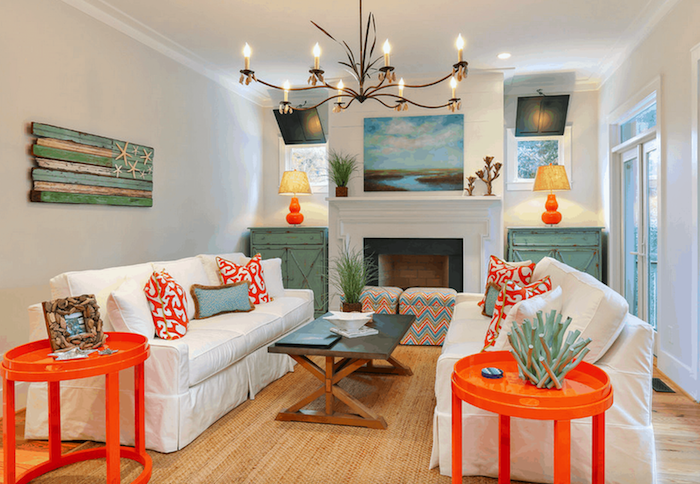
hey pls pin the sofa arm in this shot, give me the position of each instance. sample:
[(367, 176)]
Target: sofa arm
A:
[(306, 294), (37, 324), (633, 350), (167, 369), (466, 297)]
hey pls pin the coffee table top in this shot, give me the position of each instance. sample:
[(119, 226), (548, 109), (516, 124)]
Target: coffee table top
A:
[(391, 327)]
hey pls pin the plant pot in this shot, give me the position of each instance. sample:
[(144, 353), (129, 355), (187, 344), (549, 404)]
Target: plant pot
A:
[(341, 191), (352, 307)]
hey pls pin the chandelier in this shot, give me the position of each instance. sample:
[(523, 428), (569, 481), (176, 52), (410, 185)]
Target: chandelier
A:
[(362, 66)]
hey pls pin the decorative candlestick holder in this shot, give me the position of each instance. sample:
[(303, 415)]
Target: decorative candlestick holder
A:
[(470, 185), (486, 176)]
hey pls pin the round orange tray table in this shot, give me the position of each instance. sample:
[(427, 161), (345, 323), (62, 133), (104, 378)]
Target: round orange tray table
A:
[(586, 392), (30, 362)]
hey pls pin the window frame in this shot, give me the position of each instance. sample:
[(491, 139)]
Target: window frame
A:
[(284, 158), (513, 183)]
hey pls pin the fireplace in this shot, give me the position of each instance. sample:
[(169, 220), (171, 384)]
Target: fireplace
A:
[(417, 262)]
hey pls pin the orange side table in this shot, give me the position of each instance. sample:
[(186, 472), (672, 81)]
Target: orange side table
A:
[(586, 392), (30, 362)]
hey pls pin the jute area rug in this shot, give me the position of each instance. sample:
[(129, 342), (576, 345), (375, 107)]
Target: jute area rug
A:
[(249, 446)]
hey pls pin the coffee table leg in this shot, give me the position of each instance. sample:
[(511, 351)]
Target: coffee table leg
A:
[(599, 448), (54, 420), (329, 385), (503, 449), (112, 444), (456, 439), (562, 451), (8, 427)]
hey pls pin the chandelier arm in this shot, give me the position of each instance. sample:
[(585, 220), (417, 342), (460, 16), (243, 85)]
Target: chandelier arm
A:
[(376, 98), (351, 92), (372, 89)]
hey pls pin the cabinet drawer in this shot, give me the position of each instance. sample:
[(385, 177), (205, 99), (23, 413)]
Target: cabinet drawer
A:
[(288, 237), (560, 238)]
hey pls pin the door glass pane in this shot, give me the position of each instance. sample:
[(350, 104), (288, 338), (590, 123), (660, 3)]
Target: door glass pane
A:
[(630, 214), (652, 161)]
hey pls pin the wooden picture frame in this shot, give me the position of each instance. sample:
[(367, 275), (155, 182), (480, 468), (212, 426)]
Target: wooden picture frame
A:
[(73, 322)]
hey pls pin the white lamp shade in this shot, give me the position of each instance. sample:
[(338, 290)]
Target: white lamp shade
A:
[(551, 177), (294, 183)]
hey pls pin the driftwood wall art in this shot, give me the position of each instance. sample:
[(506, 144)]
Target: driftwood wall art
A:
[(76, 167)]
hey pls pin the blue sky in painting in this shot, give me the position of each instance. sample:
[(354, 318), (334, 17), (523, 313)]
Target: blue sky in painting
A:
[(414, 142)]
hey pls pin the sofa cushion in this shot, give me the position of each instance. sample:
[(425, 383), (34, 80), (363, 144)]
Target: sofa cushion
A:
[(129, 310), (186, 272), (468, 325), (528, 309), (292, 311), (211, 351), (212, 269), (595, 309), (258, 328)]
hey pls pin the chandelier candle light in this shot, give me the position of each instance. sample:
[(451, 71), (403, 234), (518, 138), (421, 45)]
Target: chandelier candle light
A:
[(294, 183), (362, 67)]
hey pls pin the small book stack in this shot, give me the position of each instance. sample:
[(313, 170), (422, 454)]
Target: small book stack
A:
[(363, 331)]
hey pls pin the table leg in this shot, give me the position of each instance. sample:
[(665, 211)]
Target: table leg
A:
[(456, 439), (503, 449), (562, 451), (329, 385), (8, 427), (54, 420), (112, 444), (139, 410), (599, 449)]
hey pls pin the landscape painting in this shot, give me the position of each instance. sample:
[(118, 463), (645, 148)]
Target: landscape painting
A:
[(414, 153)]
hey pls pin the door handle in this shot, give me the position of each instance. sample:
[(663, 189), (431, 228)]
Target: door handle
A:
[(637, 253)]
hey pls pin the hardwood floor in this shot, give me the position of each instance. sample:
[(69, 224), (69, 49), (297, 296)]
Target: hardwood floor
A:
[(676, 419)]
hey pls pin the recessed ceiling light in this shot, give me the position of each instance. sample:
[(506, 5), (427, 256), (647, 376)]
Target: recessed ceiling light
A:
[(504, 55)]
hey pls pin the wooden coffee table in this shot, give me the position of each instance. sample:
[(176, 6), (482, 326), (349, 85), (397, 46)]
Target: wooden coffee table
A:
[(355, 355)]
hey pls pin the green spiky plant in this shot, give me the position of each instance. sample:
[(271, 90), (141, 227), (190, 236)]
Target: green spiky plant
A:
[(341, 167), (350, 273)]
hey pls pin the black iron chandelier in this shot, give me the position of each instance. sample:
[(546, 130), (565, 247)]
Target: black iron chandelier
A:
[(362, 67)]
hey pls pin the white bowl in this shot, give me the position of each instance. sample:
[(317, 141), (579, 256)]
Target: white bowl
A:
[(348, 321)]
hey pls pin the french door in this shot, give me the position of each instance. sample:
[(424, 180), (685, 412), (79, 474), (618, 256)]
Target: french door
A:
[(640, 222)]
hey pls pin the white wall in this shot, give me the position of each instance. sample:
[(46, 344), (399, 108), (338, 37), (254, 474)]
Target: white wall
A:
[(666, 53), (580, 206), (62, 67)]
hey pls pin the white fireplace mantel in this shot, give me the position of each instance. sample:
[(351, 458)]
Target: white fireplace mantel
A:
[(476, 220)]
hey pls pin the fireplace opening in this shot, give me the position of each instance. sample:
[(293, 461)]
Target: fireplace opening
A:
[(416, 262)]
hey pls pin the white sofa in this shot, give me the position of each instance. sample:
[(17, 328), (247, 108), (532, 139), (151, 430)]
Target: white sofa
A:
[(627, 358), (190, 382)]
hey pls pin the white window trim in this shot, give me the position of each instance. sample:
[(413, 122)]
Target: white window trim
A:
[(513, 183), (283, 156)]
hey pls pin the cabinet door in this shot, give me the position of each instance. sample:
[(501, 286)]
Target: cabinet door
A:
[(306, 269), (271, 253), (584, 259)]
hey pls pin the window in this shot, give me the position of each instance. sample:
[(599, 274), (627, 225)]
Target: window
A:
[(313, 159), (526, 154), (640, 123)]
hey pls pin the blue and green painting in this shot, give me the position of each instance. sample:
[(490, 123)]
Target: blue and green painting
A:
[(414, 153)]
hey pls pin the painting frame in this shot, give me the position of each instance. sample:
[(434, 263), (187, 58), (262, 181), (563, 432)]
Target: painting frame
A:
[(64, 329), (414, 153)]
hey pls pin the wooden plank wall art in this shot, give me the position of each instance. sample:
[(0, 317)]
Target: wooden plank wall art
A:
[(76, 167)]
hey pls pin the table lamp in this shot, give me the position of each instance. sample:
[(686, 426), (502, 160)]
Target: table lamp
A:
[(551, 177), (294, 183)]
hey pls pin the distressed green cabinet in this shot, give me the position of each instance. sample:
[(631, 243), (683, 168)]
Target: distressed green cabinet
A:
[(579, 247), (304, 254)]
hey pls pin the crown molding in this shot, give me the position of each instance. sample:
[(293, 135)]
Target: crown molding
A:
[(124, 23)]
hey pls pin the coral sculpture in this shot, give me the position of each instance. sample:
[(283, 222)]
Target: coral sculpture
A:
[(486, 176), (470, 186), (544, 356)]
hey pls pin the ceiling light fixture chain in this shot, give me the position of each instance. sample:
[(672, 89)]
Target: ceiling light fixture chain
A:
[(362, 67)]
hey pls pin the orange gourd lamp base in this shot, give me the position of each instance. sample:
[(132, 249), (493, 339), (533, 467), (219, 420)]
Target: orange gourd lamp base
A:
[(551, 216), (294, 217)]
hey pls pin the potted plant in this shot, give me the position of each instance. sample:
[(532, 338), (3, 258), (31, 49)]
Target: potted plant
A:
[(341, 166), (350, 273)]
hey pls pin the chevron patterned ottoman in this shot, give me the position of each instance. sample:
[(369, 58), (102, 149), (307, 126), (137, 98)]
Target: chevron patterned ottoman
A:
[(381, 300), (433, 309)]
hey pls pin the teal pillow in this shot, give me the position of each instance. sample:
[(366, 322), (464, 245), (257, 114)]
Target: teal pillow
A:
[(492, 291), (212, 300)]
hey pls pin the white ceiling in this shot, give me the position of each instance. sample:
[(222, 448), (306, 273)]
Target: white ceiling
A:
[(582, 40)]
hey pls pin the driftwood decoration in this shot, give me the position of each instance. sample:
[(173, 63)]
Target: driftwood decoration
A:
[(73, 322), (75, 167), (470, 185), (486, 176)]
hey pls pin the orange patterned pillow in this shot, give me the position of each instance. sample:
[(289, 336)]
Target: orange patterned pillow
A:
[(168, 303), (511, 294), (252, 272), (501, 271)]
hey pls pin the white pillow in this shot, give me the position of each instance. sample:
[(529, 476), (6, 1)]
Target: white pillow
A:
[(186, 272), (527, 309), (595, 309), (272, 275), (129, 310)]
